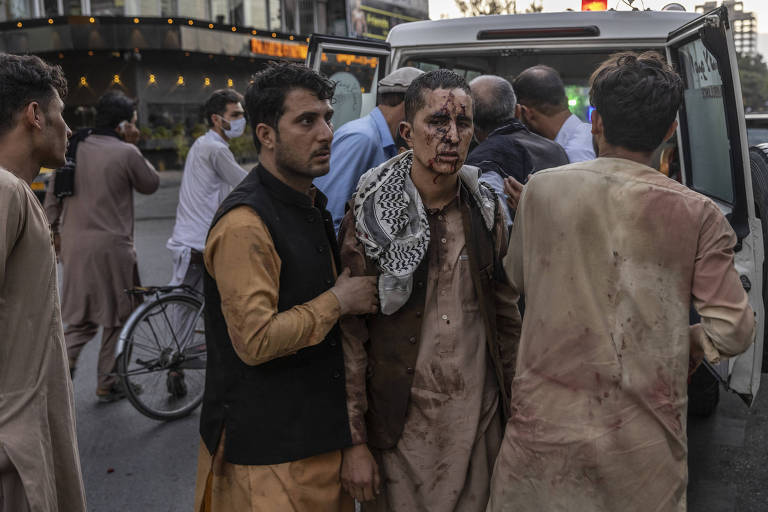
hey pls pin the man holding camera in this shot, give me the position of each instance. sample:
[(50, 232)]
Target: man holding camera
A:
[(96, 227)]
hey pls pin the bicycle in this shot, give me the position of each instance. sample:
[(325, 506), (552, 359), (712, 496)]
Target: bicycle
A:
[(161, 352)]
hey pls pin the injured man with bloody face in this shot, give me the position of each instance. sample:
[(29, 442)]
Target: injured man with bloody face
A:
[(427, 376), (610, 254)]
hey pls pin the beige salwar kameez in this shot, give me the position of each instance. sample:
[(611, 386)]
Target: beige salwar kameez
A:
[(444, 458), (610, 254), (38, 445), (97, 254), (249, 289)]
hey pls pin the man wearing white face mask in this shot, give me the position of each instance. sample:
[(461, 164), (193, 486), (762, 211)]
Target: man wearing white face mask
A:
[(210, 174)]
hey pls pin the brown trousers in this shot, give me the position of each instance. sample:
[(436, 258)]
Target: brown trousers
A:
[(76, 336)]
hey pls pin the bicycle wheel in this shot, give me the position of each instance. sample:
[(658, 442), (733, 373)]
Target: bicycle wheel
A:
[(162, 364)]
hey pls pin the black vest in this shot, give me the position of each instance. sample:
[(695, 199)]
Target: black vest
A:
[(292, 407)]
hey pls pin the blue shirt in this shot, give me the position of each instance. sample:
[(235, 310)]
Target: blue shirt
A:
[(357, 146)]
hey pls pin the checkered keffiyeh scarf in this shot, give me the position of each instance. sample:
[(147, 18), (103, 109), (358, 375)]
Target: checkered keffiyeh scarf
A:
[(391, 223)]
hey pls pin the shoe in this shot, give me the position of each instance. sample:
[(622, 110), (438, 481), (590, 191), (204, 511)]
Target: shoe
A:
[(175, 384), (116, 392)]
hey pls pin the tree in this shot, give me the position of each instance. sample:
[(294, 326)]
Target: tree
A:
[(536, 6), (481, 7), (753, 74)]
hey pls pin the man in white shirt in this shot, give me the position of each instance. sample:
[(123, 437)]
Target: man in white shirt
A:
[(543, 106), (210, 174)]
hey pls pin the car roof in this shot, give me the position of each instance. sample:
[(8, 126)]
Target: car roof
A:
[(635, 25)]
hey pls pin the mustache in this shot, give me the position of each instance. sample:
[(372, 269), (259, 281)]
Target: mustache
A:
[(321, 150)]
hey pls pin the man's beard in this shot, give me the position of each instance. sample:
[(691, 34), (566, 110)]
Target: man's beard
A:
[(288, 164)]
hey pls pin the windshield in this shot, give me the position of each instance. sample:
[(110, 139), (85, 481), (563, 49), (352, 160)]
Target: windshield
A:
[(575, 68)]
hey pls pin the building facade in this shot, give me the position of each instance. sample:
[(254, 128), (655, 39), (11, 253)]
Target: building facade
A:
[(744, 25), (169, 54)]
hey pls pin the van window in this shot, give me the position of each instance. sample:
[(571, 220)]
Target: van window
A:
[(356, 78), (705, 124), (574, 67)]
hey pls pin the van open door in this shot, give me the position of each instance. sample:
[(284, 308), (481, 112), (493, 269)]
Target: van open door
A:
[(715, 162), (356, 65)]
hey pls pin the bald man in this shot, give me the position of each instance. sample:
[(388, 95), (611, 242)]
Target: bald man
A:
[(543, 107), (507, 150)]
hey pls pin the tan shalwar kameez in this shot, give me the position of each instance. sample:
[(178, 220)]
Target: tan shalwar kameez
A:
[(452, 432), (97, 254), (38, 445), (249, 289), (609, 254)]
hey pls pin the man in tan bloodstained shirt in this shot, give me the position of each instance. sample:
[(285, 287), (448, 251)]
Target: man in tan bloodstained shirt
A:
[(427, 379), (39, 463), (610, 255)]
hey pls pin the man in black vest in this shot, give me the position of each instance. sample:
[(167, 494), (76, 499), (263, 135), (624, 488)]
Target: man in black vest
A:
[(274, 417), (428, 378)]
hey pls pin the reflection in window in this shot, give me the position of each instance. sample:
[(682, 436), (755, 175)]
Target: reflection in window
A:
[(219, 11), (169, 8), (237, 12), (275, 15), (705, 122), (306, 17), (256, 15), (73, 7), (15, 9), (50, 8), (108, 7), (356, 80), (291, 13)]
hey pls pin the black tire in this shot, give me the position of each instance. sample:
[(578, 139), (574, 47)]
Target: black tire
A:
[(164, 375), (703, 393), (758, 163)]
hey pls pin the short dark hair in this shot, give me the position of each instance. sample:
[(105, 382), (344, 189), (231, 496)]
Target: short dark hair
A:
[(24, 79), (542, 88), (433, 80), (112, 108), (496, 106), (637, 96), (217, 103), (390, 99), (265, 97)]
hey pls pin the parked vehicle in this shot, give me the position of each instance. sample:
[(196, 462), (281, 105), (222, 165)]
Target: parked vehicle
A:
[(711, 139)]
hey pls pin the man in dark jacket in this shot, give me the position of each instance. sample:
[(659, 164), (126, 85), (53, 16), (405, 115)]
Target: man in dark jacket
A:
[(274, 418), (507, 149)]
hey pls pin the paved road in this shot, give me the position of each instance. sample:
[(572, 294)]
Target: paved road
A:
[(131, 463)]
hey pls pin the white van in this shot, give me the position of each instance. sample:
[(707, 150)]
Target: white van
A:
[(712, 142)]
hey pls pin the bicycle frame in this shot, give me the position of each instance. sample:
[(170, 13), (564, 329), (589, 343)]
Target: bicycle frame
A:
[(158, 293)]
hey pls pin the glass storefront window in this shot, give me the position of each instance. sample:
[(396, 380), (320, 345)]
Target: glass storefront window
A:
[(16, 9), (73, 7), (275, 15), (219, 11), (236, 12), (108, 7), (256, 14)]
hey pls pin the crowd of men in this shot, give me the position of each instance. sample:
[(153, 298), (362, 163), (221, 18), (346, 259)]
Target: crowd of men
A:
[(364, 337)]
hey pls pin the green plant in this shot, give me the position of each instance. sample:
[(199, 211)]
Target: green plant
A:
[(243, 148)]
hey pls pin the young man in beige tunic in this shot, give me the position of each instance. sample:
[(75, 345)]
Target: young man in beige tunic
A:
[(274, 417), (427, 379), (39, 463), (610, 255), (96, 224)]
